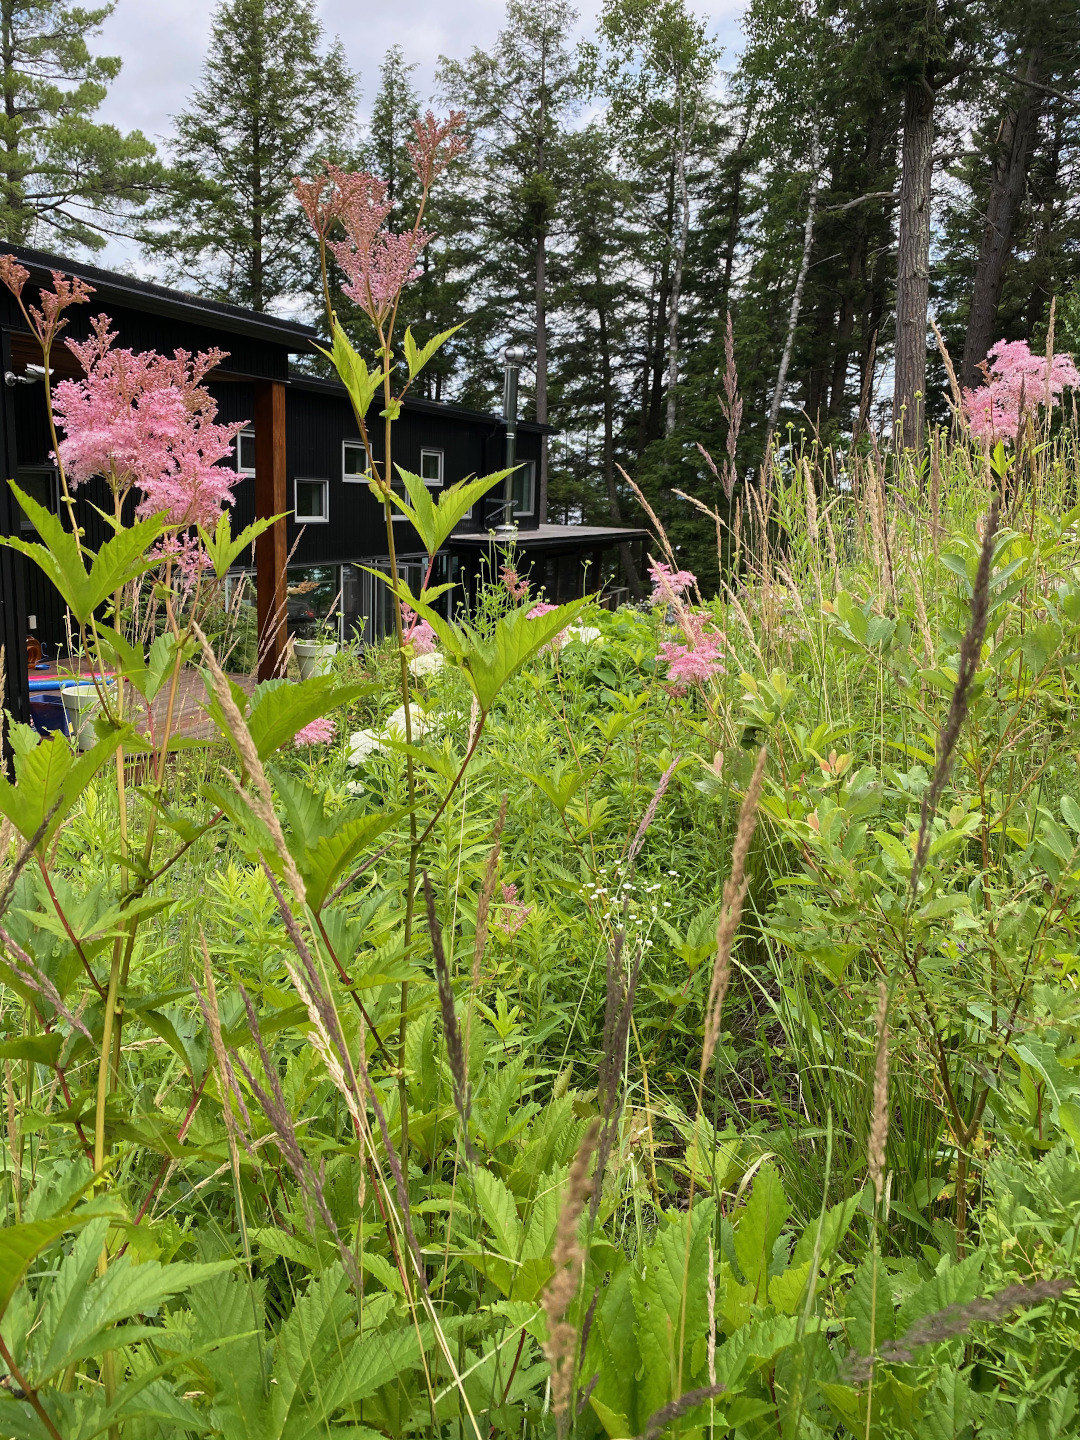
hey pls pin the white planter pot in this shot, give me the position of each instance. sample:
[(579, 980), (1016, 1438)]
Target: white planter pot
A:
[(313, 658), (81, 704)]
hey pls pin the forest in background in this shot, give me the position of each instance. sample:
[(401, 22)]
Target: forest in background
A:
[(861, 167)]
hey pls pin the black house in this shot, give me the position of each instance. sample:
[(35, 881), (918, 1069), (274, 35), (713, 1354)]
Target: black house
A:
[(300, 453)]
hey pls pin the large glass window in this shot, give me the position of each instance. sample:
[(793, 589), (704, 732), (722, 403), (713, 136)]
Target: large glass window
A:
[(313, 601), (311, 501), (524, 488)]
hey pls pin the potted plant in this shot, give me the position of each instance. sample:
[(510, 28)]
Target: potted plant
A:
[(316, 656), (81, 703)]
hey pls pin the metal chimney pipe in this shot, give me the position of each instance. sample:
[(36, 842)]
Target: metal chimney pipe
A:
[(513, 359)]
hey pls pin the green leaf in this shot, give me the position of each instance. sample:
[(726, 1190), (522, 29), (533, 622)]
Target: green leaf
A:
[(500, 1212), (119, 560), (52, 774), (434, 521), (353, 372), (223, 547), (489, 663), (861, 1305), (759, 1225), (279, 708), (415, 358), (20, 1245), (41, 1049)]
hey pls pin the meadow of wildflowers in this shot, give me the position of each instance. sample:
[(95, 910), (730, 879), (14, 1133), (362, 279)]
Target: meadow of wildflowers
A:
[(555, 1020)]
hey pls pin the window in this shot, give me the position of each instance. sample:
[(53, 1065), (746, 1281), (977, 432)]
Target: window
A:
[(311, 501), (523, 485), (245, 452), (354, 462), (40, 485), (431, 467)]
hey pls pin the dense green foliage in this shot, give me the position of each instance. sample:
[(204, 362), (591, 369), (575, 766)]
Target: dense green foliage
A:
[(250, 1260), (64, 176)]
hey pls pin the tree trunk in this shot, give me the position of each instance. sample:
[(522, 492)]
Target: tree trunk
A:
[(633, 579), (541, 369), (800, 285), (913, 263), (683, 200), (1007, 185)]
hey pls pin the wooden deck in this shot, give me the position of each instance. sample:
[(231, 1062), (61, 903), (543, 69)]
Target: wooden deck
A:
[(189, 714)]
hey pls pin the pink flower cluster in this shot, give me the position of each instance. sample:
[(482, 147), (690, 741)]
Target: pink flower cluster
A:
[(513, 912), (417, 633), (668, 585), (146, 421), (697, 657), (378, 264), (517, 587), (318, 732), (1017, 381), (543, 608)]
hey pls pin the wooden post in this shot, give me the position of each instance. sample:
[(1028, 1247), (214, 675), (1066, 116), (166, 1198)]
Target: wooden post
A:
[(271, 548)]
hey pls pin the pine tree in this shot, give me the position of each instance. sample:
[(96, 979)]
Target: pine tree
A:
[(64, 177), (272, 103), (519, 100)]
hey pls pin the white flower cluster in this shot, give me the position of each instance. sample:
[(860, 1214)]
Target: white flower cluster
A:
[(365, 743)]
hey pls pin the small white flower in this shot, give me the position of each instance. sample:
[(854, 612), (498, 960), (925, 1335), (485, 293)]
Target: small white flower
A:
[(353, 787), (362, 745), (583, 634), (429, 664)]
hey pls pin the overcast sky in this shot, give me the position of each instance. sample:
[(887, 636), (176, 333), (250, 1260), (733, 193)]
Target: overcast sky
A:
[(162, 43)]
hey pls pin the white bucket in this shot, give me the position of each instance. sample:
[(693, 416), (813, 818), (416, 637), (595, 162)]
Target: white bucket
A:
[(81, 704), (314, 658)]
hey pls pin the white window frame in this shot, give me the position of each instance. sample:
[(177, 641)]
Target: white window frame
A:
[(249, 434), (431, 450), (323, 519), (531, 472), (346, 477)]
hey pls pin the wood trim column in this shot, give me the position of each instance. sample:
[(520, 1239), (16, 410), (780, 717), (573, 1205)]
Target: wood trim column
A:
[(271, 548)]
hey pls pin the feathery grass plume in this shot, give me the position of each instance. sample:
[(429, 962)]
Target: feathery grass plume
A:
[(714, 515), (811, 506), (568, 1258), (455, 1052), (273, 1105), (731, 406), (956, 1320), (830, 540), (208, 1004), (970, 655), (29, 973), (618, 1012), (263, 802), (659, 1421), (650, 811), (731, 911), (879, 1125), (954, 386), (920, 616)]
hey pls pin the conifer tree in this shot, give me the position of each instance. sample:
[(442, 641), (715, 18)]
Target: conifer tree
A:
[(273, 101), (65, 178), (518, 99)]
